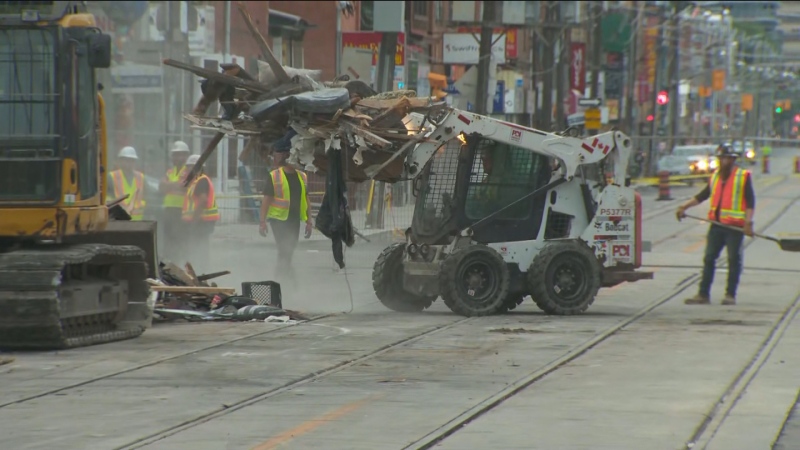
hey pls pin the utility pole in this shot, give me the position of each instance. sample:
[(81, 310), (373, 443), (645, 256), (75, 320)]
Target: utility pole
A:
[(545, 119), (633, 63), (561, 120), (485, 63), (674, 76), (657, 83), (597, 49)]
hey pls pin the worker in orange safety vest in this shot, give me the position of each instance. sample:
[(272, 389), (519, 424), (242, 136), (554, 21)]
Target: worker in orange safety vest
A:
[(127, 181), (733, 200), (201, 214)]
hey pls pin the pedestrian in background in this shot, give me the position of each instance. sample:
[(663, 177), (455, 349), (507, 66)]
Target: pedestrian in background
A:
[(733, 200), (285, 207)]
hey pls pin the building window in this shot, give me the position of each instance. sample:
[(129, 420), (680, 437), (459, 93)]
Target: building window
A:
[(421, 9), (367, 15)]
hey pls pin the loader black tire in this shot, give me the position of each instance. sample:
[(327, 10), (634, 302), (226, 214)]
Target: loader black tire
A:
[(474, 281), (564, 278), (387, 281)]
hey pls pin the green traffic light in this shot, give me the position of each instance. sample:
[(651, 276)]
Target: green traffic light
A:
[(779, 110)]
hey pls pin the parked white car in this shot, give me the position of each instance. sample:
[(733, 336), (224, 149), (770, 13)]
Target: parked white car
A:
[(689, 160)]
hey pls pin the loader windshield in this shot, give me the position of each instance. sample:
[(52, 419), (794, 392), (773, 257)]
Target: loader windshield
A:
[(29, 163), (27, 82)]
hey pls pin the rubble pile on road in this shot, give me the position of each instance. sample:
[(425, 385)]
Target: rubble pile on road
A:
[(288, 109), (187, 296)]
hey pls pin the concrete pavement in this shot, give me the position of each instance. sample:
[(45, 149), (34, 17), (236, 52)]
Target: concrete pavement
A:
[(639, 370)]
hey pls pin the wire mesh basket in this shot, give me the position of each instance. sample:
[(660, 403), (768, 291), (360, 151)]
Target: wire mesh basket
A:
[(263, 292)]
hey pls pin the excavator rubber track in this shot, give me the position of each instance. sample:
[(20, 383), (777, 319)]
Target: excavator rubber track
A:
[(65, 296)]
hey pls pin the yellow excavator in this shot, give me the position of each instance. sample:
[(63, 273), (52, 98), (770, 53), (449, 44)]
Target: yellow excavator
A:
[(73, 268)]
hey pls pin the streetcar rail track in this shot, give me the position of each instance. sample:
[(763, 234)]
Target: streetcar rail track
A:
[(453, 426), (708, 428), (471, 414)]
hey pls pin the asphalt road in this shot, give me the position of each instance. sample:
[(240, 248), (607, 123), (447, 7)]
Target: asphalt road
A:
[(639, 370)]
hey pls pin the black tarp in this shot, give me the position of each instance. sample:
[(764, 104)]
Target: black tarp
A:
[(333, 219)]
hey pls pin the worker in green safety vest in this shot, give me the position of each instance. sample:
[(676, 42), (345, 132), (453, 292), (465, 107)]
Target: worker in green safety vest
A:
[(171, 186), (285, 206)]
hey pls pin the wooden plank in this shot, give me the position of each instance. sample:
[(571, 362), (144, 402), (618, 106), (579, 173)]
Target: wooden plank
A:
[(219, 77), (203, 157), (209, 276), (193, 290), (269, 57), (413, 102), (368, 136)]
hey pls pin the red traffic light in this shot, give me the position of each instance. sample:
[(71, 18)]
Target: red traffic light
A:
[(650, 118), (797, 117), (662, 98)]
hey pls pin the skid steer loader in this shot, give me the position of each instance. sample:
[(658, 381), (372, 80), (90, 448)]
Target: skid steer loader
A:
[(503, 212)]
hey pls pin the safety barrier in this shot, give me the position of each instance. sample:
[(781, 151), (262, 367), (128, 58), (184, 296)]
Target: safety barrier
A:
[(663, 186)]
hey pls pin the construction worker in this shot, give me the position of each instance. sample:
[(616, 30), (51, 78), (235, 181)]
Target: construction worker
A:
[(733, 200), (172, 188), (201, 214), (285, 205), (128, 181)]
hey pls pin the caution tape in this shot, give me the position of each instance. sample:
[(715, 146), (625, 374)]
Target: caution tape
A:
[(672, 179), (256, 197)]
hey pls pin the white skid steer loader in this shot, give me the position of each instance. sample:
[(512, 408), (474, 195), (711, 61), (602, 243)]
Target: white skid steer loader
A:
[(503, 212)]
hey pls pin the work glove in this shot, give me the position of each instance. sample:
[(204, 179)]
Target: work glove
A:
[(680, 213), (748, 229)]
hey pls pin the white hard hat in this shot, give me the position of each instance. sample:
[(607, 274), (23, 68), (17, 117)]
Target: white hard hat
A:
[(180, 146), (192, 160), (128, 152)]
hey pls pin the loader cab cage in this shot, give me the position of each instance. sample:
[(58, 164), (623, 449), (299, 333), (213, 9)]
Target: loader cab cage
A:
[(469, 179)]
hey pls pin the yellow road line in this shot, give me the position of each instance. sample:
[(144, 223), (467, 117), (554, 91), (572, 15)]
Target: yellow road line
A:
[(311, 425)]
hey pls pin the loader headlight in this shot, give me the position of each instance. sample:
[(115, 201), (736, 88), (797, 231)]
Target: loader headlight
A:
[(424, 249), (702, 165), (412, 249), (750, 154), (713, 164)]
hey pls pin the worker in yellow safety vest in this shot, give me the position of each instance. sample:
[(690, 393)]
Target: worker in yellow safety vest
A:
[(285, 205), (127, 181), (201, 214), (171, 186)]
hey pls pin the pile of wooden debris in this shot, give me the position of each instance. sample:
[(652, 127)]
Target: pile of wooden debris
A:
[(308, 116), (185, 295)]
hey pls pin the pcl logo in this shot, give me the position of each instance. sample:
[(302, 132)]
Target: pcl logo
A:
[(516, 135), (621, 250)]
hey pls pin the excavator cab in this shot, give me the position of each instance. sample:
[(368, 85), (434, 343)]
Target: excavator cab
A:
[(68, 275)]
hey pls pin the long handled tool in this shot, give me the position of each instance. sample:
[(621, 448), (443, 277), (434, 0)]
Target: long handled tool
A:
[(787, 245)]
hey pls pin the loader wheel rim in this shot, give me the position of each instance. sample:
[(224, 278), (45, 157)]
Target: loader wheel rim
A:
[(568, 278), (478, 281)]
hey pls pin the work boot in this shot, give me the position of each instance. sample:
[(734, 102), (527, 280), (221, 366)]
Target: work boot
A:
[(729, 300), (698, 300)]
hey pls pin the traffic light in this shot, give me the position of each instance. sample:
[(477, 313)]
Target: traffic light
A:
[(797, 118), (662, 98), (778, 110), (650, 117)]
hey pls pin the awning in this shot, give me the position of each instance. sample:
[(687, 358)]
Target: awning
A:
[(437, 80), (287, 25)]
